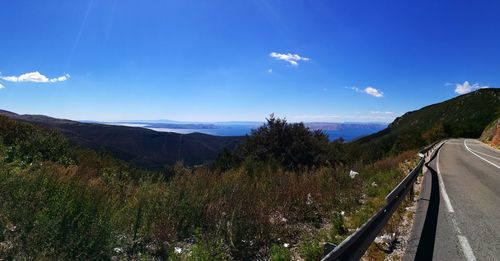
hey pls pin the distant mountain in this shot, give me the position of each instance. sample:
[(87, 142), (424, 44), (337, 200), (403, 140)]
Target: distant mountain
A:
[(463, 116), (332, 126), (141, 146), (157, 125)]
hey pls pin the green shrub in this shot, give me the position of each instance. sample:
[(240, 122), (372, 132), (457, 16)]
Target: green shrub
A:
[(28, 144), (208, 251), (338, 226), (292, 145), (310, 249), (280, 253), (53, 219)]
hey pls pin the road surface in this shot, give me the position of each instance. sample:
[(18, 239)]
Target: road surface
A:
[(458, 215)]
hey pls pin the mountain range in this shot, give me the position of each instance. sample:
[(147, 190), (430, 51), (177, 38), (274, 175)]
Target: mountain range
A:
[(143, 147)]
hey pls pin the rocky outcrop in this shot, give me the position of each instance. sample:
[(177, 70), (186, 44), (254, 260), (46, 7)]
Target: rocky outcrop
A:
[(491, 135)]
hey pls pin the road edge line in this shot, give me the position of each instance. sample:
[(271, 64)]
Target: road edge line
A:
[(469, 255), (465, 144), (485, 154), (464, 243), (446, 199)]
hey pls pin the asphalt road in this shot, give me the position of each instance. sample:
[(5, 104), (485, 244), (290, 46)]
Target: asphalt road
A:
[(458, 215)]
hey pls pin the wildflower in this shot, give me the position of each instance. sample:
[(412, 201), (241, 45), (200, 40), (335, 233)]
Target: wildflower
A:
[(353, 174)]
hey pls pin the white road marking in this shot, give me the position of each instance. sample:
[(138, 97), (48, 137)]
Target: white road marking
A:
[(465, 144), (464, 243), (443, 189), (482, 153), (455, 225), (487, 147), (469, 255)]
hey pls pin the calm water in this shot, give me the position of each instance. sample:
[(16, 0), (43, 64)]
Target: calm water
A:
[(346, 134)]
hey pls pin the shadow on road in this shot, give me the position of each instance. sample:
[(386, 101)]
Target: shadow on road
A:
[(425, 249)]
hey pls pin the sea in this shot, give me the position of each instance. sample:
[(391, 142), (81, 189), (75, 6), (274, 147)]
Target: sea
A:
[(238, 130), (227, 129)]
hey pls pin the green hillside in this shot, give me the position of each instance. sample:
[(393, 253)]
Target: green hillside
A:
[(464, 116), (143, 147)]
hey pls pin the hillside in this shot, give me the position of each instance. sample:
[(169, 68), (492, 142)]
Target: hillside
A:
[(144, 147), (491, 135), (463, 116)]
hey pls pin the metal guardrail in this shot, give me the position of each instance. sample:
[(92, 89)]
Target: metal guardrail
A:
[(354, 246)]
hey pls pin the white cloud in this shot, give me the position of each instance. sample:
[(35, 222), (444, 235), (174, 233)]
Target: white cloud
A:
[(373, 92), (368, 90), (293, 59), (1, 86), (466, 87), (60, 78), (10, 78), (35, 77), (270, 70), (382, 112)]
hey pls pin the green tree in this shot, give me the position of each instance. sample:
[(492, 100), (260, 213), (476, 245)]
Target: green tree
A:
[(292, 145)]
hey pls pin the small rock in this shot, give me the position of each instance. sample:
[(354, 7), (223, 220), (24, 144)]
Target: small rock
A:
[(7, 245), (309, 200), (363, 199), (385, 239)]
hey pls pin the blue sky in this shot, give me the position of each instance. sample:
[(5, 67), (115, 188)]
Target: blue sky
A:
[(242, 60)]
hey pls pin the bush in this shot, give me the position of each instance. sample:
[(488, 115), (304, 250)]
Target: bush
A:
[(27, 143), (292, 145), (310, 249), (338, 227), (53, 218), (280, 253), (208, 251)]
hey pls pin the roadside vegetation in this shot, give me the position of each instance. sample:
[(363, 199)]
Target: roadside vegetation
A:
[(279, 196)]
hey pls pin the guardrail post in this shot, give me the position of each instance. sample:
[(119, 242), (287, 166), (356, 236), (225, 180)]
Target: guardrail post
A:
[(328, 247), (412, 191)]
